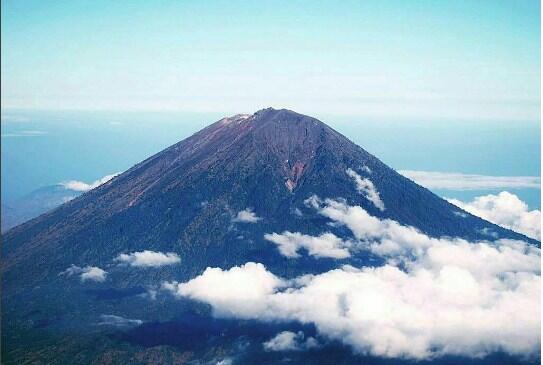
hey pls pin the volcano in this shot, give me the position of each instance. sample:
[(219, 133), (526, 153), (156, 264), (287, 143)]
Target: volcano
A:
[(214, 199)]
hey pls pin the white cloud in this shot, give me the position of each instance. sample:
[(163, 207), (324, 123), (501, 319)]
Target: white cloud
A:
[(226, 361), (459, 181), (93, 274), (325, 245), (366, 188), (150, 294), (392, 313), (382, 236), (118, 321), (460, 214), (246, 216), (489, 232), (149, 258), (76, 185), (290, 341), (506, 210), (87, 273), (241, 291), (29, 133), (433, 297)]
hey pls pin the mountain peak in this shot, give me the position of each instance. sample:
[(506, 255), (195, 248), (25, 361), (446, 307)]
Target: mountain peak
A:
[(271, 114), (275, 187), (185, 198), (287, 140), (262, 116), (275, 132)]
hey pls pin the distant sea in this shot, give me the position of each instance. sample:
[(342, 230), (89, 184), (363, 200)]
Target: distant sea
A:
[(41, 148)]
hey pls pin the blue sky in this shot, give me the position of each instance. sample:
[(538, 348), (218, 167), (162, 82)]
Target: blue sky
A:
[(424, 60)]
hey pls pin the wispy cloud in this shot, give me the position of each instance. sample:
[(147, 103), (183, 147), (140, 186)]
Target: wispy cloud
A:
[(325, 245), (149, 258), (226, 361), (365, 187), (87, 273), (246, 216), (433, 297), (290, 341), (506, 210), (459, 181), (81, 186), (28, 133), (118, 321)]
